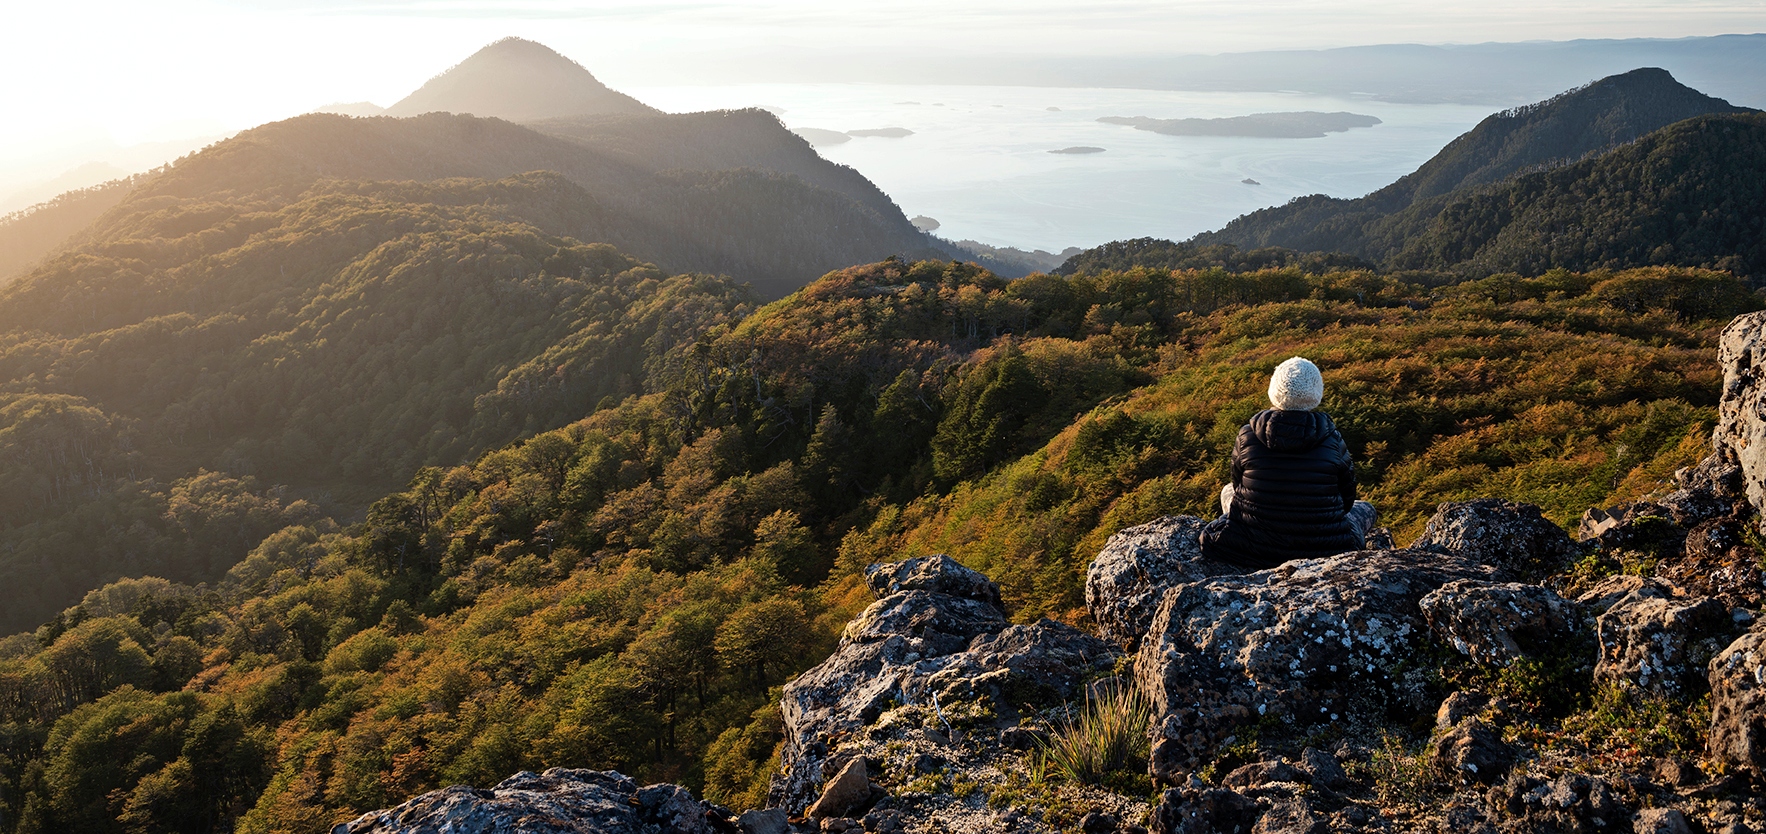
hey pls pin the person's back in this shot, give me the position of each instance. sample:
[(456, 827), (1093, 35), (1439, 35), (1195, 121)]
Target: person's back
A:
[(1293, 486)]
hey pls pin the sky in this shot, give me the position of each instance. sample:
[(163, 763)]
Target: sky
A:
[(99, 73)]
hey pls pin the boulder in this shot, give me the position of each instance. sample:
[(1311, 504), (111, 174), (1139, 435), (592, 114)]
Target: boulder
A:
[(1309, 641), (844, 793), (1607, 592), (559, 801), (1470, 751), (1573, 802), (1661, 645), (1323, 768), (1661, 821), (1718, 563), (936, 574), (1200, 810), (1258, 774), (936, 637), (1496, 623), (1042, 663), (1738, 704), (1642, 526), (769, 821), (1124, 584), (1740, 436), (1513, 537), (1290, 815)]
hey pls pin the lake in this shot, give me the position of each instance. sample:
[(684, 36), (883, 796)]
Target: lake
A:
[(978, 160)]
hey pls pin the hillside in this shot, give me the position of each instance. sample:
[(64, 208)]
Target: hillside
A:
[(518, 80), (627, 591), (334, 344), (710, 210), (1693, 193), (27, 235), (1552, 133)]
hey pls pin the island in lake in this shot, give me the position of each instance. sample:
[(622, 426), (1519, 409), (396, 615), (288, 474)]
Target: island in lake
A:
[(1249, 181), (820, 137), (1078, 149), (1302, 125)]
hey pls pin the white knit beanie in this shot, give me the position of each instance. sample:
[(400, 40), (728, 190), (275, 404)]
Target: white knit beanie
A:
[(1296, 385)]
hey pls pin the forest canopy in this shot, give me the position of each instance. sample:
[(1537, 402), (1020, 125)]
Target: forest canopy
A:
[(628, 590)]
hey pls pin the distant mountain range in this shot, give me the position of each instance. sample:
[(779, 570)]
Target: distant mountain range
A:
[(727, 192), (1635, 169)]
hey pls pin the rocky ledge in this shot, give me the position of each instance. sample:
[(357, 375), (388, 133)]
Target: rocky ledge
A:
[(1496, 675)]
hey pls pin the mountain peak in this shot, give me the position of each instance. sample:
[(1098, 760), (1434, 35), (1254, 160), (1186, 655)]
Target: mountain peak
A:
[(521, 81), (1592, 118)]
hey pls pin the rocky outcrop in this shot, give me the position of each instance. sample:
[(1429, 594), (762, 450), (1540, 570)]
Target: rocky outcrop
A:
[(1738, 704), (936, 640), (1659, 644), (1740, 436), (1513, 537), (1498, 624), (1310, 642), (559, 801), (1125, 583)]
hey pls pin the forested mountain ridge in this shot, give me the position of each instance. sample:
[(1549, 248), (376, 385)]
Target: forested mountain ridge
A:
[(1564, 129), (518, 80), (335, 344), (622, 592)]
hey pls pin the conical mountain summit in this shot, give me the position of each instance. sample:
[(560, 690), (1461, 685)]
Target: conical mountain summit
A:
[(521, 81)]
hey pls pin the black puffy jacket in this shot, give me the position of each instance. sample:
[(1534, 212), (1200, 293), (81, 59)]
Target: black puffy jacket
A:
[(1293, 486)]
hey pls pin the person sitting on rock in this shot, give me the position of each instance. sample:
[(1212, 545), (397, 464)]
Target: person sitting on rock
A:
[(1293, 490)]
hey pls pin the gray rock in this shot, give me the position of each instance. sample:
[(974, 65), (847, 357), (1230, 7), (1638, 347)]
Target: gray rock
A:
[(1661, 821), (1194, 810), (1323, 768), (937, 574), (1471, 751), (1097, 822), (559, 801), (1498, 624), (1290, 816), (1661, 645), (1258, 774), (1124, 584), (1309, 641), (1740, 436), (921, 647), (1605, 593), (1039, 665), (769, 821), (1457, 707), (1573, 802), (883, 654), (1513, 537), (1738, 704)]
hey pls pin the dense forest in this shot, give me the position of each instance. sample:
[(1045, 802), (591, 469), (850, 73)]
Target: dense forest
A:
[(627, 590), (1572, 127), (333, 345), (27, 235)]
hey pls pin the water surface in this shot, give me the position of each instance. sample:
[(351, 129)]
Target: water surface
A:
[(979, 162)]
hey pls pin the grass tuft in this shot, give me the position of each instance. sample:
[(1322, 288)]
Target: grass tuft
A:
[(1105, 741)]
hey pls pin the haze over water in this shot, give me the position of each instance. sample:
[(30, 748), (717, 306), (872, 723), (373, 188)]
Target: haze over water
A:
[(979, 159)]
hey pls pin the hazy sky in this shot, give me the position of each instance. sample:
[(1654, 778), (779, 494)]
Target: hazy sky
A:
[(96, 71)]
